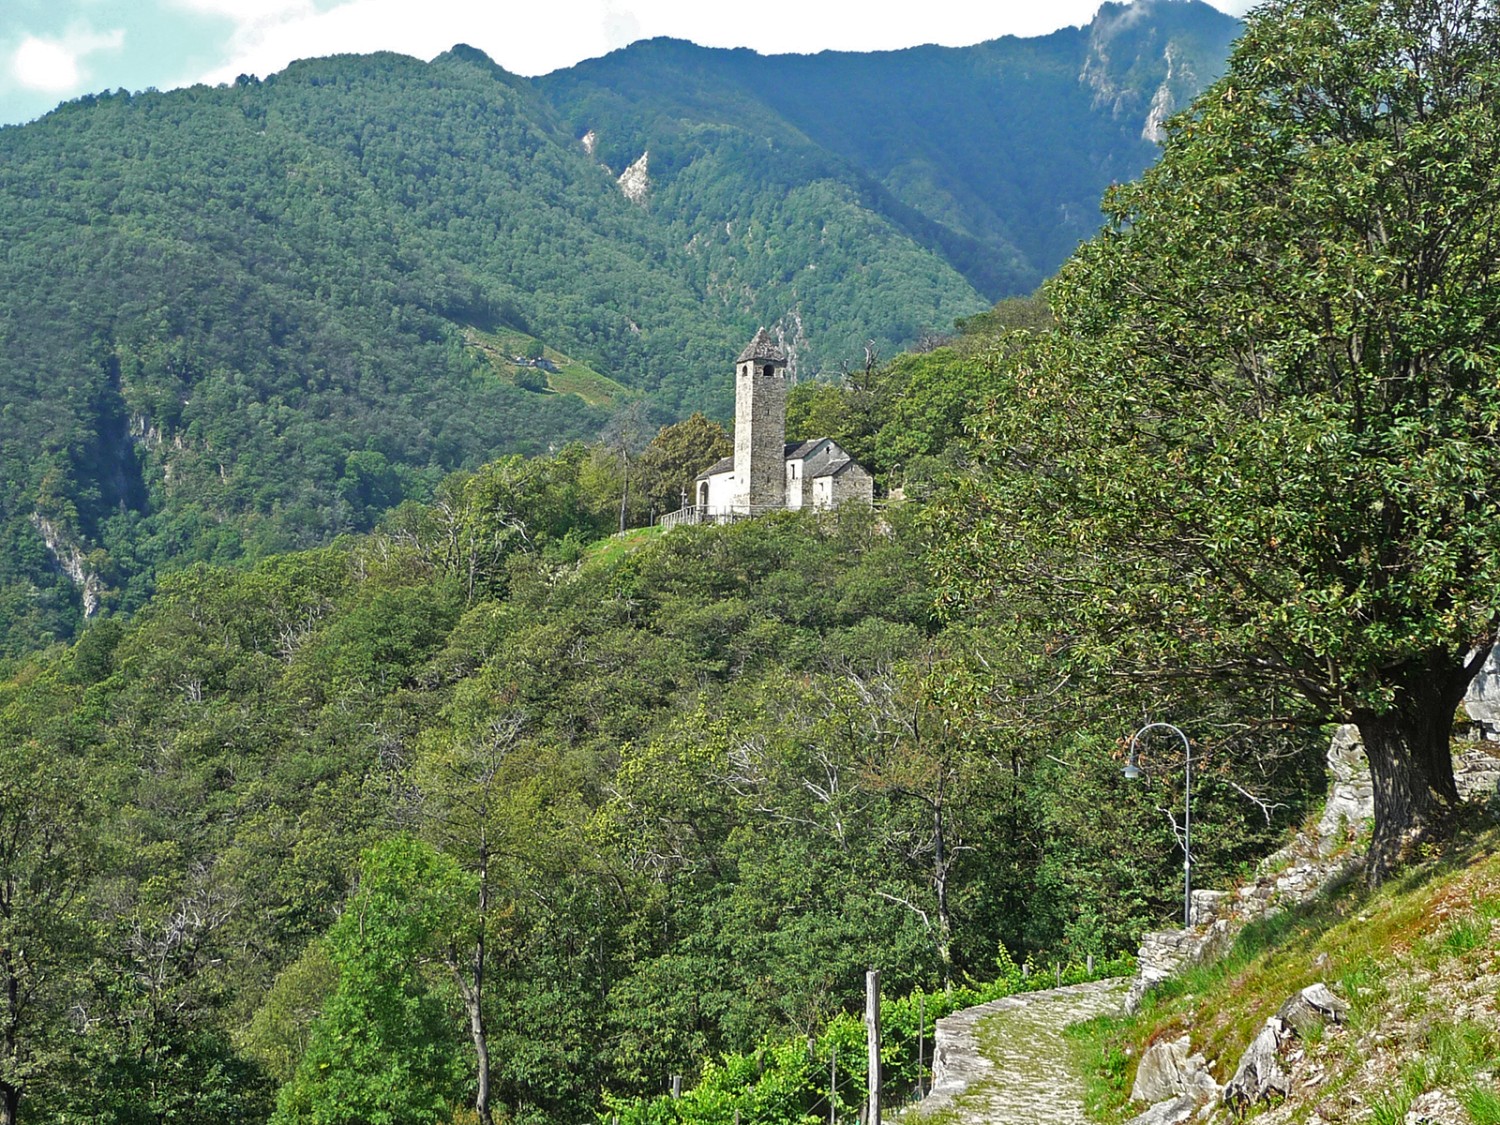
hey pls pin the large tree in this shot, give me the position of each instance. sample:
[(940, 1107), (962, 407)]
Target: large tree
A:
[(44, 863), (676, 455), (1260, 448)]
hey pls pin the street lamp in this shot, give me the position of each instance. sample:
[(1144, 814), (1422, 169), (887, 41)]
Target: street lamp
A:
[(1133, 772)]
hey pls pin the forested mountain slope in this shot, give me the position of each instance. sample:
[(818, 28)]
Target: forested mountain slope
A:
[(243, 320), (991, 157), (665, 802)]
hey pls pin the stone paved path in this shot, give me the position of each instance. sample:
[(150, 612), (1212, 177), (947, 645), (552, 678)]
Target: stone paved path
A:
[(1007, 1063)]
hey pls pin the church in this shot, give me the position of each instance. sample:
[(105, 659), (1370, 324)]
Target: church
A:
[(768, 473)]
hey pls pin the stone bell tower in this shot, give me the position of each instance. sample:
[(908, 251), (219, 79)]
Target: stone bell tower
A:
[(760, 427)]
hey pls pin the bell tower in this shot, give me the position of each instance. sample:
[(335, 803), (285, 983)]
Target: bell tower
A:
[(760, 427)]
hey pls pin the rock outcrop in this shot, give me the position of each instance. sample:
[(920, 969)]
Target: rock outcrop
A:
[(1260, 1076), (635, 182), (1169, 1071), (71, 561), (1311, 1008)]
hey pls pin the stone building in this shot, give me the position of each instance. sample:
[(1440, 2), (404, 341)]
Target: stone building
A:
[(768, 473)]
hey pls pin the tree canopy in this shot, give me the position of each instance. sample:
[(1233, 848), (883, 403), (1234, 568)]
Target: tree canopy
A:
[(1260, 446)]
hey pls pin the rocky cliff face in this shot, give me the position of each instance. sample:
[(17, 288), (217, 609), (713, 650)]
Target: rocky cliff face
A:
[(1148, 60), (70, 558), (635, 181)]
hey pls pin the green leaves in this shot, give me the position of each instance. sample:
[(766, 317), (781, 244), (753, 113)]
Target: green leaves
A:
[(1254, 392), (1256, 451), (383, 1052)]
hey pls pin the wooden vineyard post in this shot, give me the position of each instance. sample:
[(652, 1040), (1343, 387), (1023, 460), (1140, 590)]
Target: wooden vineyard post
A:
[(872, 1031), (921, 1033), (833, 1084)]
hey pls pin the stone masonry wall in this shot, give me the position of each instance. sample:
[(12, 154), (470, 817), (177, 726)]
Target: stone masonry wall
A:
[(1298, 871), (759, 437)]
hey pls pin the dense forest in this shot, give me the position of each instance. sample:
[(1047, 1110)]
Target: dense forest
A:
[(471, 810), (293, 841), (244, 320)]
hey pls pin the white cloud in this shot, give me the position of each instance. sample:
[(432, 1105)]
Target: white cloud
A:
[(245, 11), (528, 37), (524, 37), (621, 27), (55, 66)]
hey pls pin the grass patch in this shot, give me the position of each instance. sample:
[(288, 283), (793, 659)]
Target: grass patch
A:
[(1364, 945), (1465, 937), (609, 551), (571, 377), (1451, 1056), (1098, 1047), (1481, 1104)]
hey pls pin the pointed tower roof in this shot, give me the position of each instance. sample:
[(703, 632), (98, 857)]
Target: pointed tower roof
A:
[(762, 348)]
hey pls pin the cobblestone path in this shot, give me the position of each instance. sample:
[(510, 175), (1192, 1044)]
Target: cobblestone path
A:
[(1007, 1063)]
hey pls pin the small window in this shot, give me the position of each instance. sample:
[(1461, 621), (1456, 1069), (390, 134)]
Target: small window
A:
[(769, 371)]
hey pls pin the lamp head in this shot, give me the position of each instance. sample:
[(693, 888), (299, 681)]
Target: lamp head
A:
[(1132, 772)]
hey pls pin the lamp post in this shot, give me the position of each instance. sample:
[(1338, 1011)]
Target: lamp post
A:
[(1133, 771)]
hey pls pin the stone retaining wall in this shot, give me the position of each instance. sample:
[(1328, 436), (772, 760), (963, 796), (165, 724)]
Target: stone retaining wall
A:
[(1300, 870)]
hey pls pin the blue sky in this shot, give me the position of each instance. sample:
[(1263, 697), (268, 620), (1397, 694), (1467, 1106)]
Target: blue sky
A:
[(53, 50)]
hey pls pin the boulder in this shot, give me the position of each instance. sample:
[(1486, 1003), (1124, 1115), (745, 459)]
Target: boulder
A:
[(1259, 1074), (1173, 1112), (1168, 1070), (1309, 1009)]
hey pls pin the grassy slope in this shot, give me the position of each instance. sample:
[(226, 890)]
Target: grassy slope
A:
[(571, 378), (607, 552), (1419, 963)]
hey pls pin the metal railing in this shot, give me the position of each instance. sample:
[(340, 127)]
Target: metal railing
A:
[(697, 513)]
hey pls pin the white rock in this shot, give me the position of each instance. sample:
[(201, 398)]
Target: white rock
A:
[(635, 184), (1168, 1070), (1167, 1113)]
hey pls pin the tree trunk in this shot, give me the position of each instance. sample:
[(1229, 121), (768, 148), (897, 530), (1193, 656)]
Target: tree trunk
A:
[(10, 1018), (470, 980), (1411, 764), (940, 865), (625, 490)]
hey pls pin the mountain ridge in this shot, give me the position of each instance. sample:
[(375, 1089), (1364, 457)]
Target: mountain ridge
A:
[(214, 298)]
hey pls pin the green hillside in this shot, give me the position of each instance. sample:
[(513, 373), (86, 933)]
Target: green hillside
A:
[(992, 158), (239, 320), (672, 802), (510, 354), (1414, 962)]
